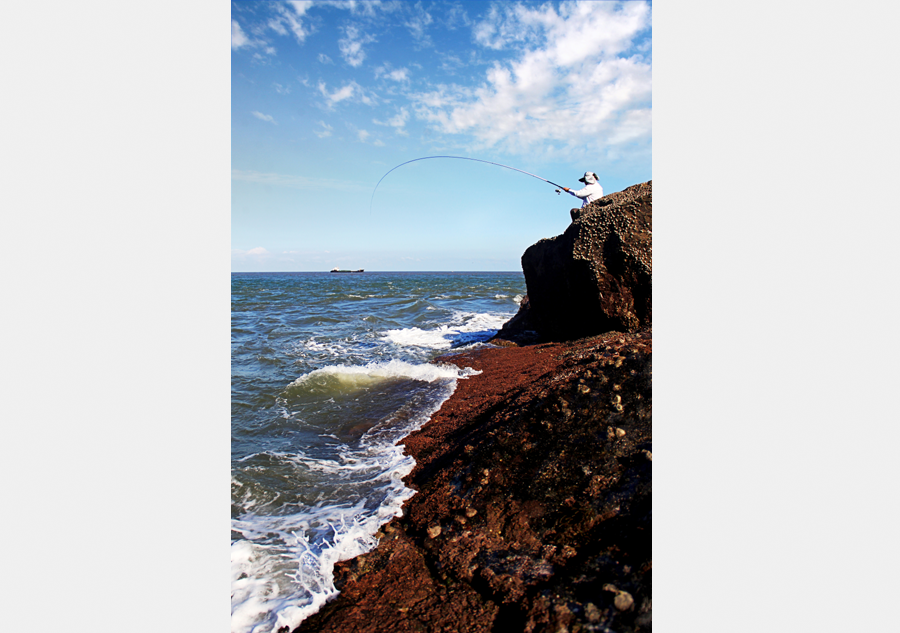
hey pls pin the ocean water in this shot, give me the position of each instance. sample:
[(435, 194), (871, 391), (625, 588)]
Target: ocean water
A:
[(329, 372)]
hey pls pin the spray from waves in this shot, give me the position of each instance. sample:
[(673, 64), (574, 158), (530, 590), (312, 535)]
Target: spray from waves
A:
[(465, 328), (282, 563)]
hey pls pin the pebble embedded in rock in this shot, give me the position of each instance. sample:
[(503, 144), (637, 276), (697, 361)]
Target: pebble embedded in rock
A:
[(592, 613), (470, 512), (623, 601), (620, 432), (434, 531)]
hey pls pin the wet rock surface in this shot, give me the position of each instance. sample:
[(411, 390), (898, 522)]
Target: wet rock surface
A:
[(596, 276), (533, 510)]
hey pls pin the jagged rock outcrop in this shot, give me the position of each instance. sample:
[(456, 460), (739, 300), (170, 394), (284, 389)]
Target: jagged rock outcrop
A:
[(595, 277)]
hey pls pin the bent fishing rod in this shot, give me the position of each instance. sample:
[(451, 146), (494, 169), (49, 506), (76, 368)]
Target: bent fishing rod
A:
[(477, 160)]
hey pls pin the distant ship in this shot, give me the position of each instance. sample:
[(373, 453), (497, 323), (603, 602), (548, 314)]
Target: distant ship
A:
[(336, 270)]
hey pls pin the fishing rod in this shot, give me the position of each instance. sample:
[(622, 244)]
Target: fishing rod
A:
[(477, 160)]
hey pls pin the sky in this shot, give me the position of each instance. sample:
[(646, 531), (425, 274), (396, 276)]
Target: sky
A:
[(327, 97)]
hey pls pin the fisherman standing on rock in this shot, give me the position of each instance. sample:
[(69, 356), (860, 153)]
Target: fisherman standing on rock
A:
[(592, 190)]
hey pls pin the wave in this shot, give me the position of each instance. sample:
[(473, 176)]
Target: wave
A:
[(284, 548), (465, 328)]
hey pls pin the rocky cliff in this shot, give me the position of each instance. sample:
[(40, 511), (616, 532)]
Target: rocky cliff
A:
[(595, 277)]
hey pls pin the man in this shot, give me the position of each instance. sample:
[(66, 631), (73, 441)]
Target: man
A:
[(592, 190)]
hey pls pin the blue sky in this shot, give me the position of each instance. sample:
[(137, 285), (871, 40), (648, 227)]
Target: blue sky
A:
[(329, 96)]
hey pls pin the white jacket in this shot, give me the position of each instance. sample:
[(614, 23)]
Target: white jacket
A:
[(589, 193)]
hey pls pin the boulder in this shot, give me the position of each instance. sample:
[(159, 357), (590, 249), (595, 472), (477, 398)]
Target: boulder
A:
[(595, 277)]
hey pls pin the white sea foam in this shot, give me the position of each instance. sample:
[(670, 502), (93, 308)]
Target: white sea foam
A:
[(282, 567), (352, 377), (464, 328), (313, 348)]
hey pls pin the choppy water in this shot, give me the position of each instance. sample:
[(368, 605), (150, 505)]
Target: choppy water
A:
[(329, 372)]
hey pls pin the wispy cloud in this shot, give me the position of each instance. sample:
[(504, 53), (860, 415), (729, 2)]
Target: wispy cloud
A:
[(290, 18), (363, 7), (264, 117), (325, 59), (568, 66), (282, 90), (324, 130), (396, 74), (277, 25), (362, 135), (338, 95), (350, 90), (418, 23), (398, 122), (351, 45), (238, 37), (455, 16)]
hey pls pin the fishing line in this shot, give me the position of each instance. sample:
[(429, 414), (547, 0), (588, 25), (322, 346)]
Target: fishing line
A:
[(477, 160)]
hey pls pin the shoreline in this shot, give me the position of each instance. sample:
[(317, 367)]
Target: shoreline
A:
[(533, 502)]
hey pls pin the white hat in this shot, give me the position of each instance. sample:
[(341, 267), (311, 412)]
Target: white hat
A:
[(590, 178)]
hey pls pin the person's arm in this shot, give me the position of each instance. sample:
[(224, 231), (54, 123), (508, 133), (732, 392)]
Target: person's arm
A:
[(581, 193)]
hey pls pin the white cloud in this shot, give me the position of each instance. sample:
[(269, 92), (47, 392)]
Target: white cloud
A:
[(325, 59), (238, 38), (276, 25), (292, 16), (350, 90), (398, 74), (338, 95), (362, 135), (325, 130), (259, 250), (364, 7), (264, 117), (569, 70), (451, 63), (351, 45), (282, 90), (455, 16), (418, 23), (398, 121)]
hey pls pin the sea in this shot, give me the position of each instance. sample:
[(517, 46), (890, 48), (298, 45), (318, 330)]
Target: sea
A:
[(329, 371)]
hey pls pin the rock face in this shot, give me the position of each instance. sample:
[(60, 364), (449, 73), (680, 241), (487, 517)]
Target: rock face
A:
[(595, 277)]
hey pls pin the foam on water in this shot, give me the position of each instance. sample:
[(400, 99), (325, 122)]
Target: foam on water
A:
[(373, 372), (282, 562), (464, 328)]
